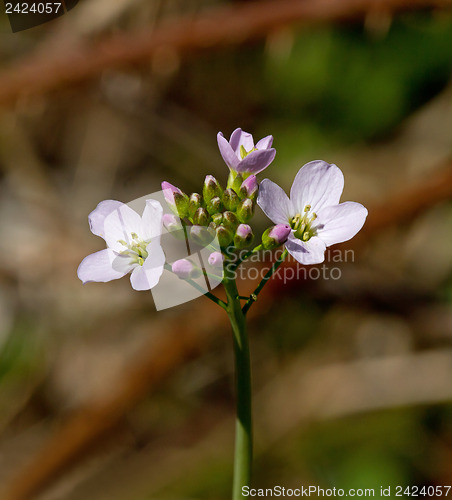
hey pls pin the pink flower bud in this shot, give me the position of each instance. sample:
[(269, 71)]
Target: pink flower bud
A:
[(249, 187), (171, 222), (216, 259), (185, 269), (243, 236), (275, 236), (168, 193)]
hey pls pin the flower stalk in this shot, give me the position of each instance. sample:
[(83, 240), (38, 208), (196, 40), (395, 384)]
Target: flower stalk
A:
[(243, 454)]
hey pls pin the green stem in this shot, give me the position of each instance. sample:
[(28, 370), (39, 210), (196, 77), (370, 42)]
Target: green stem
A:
[(269, 274), (201, 290), (247, 255), (243, 438)]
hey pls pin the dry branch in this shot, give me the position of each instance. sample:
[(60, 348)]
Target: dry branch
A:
[(41, 73)]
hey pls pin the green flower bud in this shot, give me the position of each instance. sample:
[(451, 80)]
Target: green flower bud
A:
[(230, 220), (181, 200), (194, 203), (201, 217), (212, 228), (200, 235), (237, 183), (230, 200), (225, 235), (245, 210), (211, 188), (243, 236), (214, 205), (217, 219)]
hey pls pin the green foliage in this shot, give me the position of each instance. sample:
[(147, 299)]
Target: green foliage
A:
[(355, 86), (367, 451)]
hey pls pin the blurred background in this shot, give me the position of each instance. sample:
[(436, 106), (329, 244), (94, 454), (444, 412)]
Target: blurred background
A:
[(103, 398)]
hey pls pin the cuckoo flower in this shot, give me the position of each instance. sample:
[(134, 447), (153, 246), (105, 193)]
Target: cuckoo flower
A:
[(313, 211), (133, 245), (242, 156)]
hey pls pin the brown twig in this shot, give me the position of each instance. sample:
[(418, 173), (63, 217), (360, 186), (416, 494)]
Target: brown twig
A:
[(38, 74)]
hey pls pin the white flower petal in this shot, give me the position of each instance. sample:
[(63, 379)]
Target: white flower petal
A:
[(235, 138), (98, 267), (152, 219), (265, 143), (123, 264), (97, 217), (340, 222), (318, 184), (120, 224), (226, 150), (246, 140), (256, 161), (156, 256), (306, 252), (274, 202), (147, 276)]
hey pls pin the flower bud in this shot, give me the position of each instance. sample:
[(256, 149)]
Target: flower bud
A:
[(200, 235), (175, 198), (185, 269), (216, 259), (214, 205), (249, 187), (181, 201), (230, 220), (275, 236), (225, 235), (217, 219), (243, 236), (230, 200), (201, 217), (171, 222), (168, 192), (245, 210), (211, 188), (195, 202)]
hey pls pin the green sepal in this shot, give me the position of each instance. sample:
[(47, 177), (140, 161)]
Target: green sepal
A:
[(245, 210), (225, 235), (195, 202), (237, 184), (182, 202), (201, 217), (214, 205), (211, 189), (230, 220), (217, 219), (230, 200)]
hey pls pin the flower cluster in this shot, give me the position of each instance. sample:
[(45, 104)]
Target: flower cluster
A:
[(306, 223)]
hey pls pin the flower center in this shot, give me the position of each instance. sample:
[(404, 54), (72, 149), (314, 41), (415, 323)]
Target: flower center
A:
[(135, 250), (244, 153), (302, 224)]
